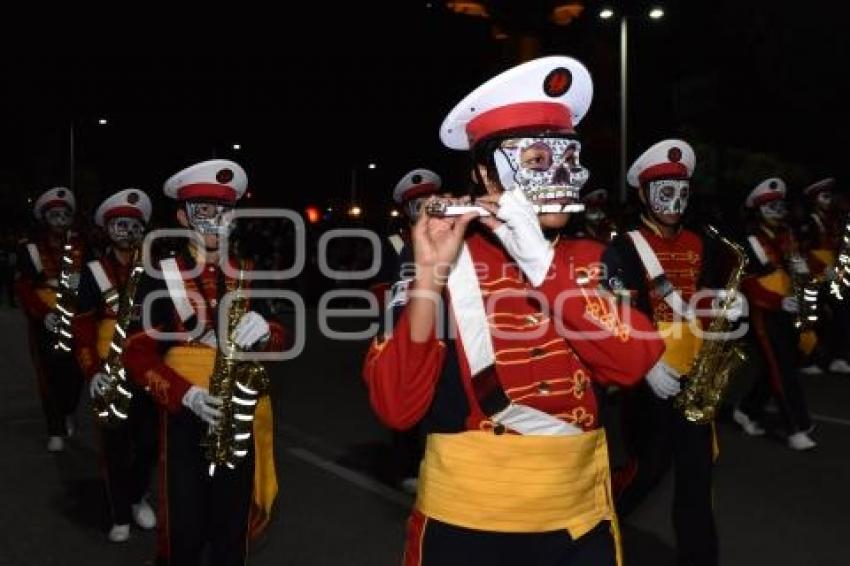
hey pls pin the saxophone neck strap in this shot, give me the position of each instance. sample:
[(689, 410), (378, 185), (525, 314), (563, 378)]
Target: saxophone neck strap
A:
[(655, 272), (758, 250)]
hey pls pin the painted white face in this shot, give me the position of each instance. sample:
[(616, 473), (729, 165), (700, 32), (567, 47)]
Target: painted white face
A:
[(595, 215), (774, 211), (669, 196), (125, 231), (209, 218), (824, 200), (548, 171), (59, 217)]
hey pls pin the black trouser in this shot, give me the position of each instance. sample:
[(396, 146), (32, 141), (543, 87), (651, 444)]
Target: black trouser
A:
[(59, 380), (200, 510), (448, 545), (835, 332), (129, 453), (777, 340), (657, 435)]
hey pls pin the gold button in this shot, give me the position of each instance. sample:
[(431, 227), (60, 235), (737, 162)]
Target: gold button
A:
[(532, 320), (537, 352)]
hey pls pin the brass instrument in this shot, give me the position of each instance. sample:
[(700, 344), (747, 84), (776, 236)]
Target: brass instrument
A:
[(804, 286), (66, 298), (839, 272), (717, 359), (445, 207), (111, 408), (239, 384)]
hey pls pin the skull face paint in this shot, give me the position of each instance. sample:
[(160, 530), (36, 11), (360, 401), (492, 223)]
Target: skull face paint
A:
[(668, 196), (824, 200), (209, 218), (125, 231), (774, 211), (59, 217), (547, 169)]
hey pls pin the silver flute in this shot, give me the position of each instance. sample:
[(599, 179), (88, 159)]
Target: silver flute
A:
[(441, 208)]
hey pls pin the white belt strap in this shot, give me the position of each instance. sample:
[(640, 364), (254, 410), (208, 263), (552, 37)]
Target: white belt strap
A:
[(654, 271), (100, 277), (758, 249), (397, 242), (35, 257), (469, 313), (474, 330), (177, 289)]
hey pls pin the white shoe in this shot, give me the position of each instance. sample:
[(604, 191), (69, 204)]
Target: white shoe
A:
[(801, 441), (70, 426), (119, 533), (55, 444), (813, 369), (143, 515), (750, 426), (839, 366)]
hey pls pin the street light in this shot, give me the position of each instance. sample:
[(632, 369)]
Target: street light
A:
[(237, 146), (103, 121), (656, 13), (373, 166)]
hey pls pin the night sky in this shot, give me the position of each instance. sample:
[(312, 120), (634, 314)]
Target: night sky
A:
[(757, 87)]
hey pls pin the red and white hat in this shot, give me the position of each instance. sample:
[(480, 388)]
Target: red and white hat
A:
[(668, 159), (549, 94), (216, 179), (596, 196), (58, 196), (129, 202), (812, 190), (766, 191), (415, 184)]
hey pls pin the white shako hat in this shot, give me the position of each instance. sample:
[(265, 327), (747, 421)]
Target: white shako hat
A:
[(415, 184), (668, 159), (215, 180), (548, 94), (766, 191), (56, 196), (129, 202), (812, 190)]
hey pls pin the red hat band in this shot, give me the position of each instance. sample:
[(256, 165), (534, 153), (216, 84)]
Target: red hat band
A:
[(543, 115), (766, 198), (213, 191), (124, 211), (420, 190), (669, 170)]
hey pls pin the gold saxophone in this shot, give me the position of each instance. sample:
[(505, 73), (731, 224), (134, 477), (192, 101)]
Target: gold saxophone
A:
[(717, 359), (112, 407), (66, 297), (805, 287), (239, 384), (839, 272)]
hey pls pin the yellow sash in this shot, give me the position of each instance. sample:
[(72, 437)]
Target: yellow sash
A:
[(105, 330), (825, 256), (47, 295), (681, 344), (777, 281), (517, 484), (195, 364)]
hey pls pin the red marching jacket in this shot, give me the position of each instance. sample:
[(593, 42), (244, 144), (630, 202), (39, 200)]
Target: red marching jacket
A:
[(547, 364)]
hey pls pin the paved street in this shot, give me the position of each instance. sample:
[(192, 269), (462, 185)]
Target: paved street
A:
[(773, 506)]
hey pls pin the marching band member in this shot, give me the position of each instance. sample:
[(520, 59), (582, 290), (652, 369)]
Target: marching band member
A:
[(820, 238), (773, 307), (49, 273), (128, 446), (516, 466), (597, 224), (200, 504), (663, 264)]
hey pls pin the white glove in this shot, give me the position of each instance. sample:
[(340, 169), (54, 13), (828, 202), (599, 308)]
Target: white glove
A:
[(251, 329), (204, 405), (791, 304), (734, 310), (798, 265), (522, 237), (98, 384), (663, 380), (51, 322)]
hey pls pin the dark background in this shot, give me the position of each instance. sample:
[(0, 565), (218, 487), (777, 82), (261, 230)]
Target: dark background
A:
[(319, 89)]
